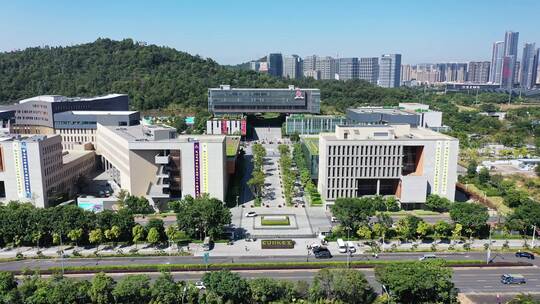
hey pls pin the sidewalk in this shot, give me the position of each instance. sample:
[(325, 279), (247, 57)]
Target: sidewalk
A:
[(243, 248)]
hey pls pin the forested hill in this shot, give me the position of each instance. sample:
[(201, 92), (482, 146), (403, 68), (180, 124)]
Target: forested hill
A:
[(154, 77)]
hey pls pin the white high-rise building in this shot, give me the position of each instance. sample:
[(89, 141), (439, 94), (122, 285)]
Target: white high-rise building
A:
[(528, 68), (292, 67), (389, 70)]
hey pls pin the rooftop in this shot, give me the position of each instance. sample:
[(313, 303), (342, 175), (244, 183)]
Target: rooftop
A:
[(384, 132), (60, 98), (69, 156), (232, 143), (312, 144), (229, 88), (24, 138), (380, 110), (157, 133), (103, 112)]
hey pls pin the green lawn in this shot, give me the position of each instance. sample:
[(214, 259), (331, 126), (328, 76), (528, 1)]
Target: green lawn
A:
[(497, 201), (231, 144), (275, 222)]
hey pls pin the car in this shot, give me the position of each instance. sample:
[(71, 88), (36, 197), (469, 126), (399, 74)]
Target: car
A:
[(251, 214), (513, 279), (351, 247), (322, 253), (427, 257), (314, 245), (334, 219), (200, 285), (524, 254)]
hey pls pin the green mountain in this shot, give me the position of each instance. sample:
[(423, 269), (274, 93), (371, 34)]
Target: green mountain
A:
[(155, 77)]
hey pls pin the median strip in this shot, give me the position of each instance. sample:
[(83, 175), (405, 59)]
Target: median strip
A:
[(253, 266)]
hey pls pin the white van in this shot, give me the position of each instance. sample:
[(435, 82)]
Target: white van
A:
[(342, 246)]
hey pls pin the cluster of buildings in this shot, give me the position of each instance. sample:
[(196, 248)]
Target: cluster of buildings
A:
[(384, 70), (394, 151), (50, 144), (503, 71)]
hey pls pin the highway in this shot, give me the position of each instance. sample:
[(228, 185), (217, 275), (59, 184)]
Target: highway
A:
[(48, 263)]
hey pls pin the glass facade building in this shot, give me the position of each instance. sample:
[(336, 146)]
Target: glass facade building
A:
[(312, 124)]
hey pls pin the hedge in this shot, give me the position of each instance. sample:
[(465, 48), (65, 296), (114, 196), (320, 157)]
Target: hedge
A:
[(275, 222)]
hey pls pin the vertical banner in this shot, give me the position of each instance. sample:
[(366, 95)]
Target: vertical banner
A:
[(224, 129), (17, 163), (196, 167), (26, 171), (243, 127), (204, 162)]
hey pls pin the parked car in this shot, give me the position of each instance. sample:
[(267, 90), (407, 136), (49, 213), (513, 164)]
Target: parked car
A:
[(524, 254), (334, 219), (322, 253), (351, 247), (200, 285), (251, 214), (513, 279), (427, 257)]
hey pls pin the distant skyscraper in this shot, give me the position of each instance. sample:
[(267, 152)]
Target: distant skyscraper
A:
[(275, 64), (510, 59), (254, 66), (326, 66), (292, 67), (528, 67), (369, 69), (536, 68), (389, 70), (478, 71), (310, 63), (496, 62), (517, 70), (347, 68), (406, 73)]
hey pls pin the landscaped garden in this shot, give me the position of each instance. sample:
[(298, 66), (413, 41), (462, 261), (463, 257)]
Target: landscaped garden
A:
[(275, 220)]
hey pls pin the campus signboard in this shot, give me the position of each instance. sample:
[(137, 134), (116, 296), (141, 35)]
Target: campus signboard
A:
[(277, 244)]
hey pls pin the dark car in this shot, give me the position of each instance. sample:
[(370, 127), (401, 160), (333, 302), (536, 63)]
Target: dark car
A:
[(513, 279), (524, 254), (322, 253)]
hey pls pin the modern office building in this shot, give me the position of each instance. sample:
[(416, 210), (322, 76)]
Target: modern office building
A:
[(254, 66), (347, 68), (312, 124), (414, 114), (326, 67), (227, 125), (33, 168), (510, 58), (478, 71), (275, 64), (497, 57), (408, 163), (36, 115), (310, 63), (389, 70), (369, 69), (225, 99), (292, 67), (528, 68), (78, 128), (156, 163)]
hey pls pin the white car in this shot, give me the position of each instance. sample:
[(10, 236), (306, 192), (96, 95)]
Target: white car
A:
[(352, 248), (200, 285), (251, 214), (334, 219), (427, 257), (314, 245)]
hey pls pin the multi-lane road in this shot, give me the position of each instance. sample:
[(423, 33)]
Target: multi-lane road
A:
[(468, 279)]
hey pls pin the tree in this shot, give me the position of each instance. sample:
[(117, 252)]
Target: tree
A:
[(456, 232), (256, 182), (471, 169), (95, 236), (423, 229), (8, 289), (158, 224), (138, 233), (353, 212), (418, 282), (267, 290), (165, 290), (483, 176), (407, 226), (364, 232), (344, 285), (113, 233), (471, 216), (138, 205), (442, 229), (75, 235), (101, 289), (133, 289), (524, 217), (153, 236), (437, 203), (228, 286), (202, 216), (523, 299), (537, 169)]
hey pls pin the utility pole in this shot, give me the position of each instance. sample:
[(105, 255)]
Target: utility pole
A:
[(533, 235), (488, 253)]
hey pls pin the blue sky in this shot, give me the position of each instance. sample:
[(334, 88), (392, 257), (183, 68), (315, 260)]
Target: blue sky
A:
[(234, 31)]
